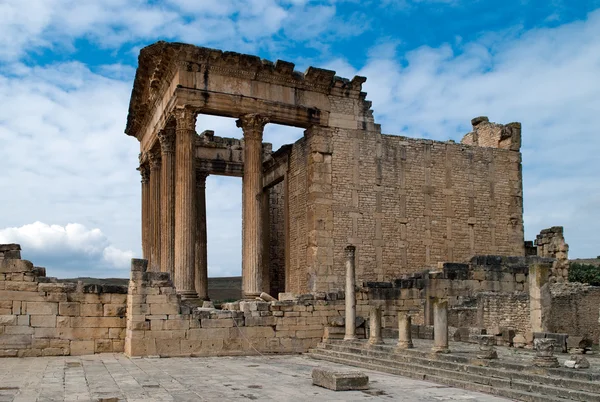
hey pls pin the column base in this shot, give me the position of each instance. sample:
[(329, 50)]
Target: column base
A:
[(404, 345), (251, 296), (374, 342), (440, 349), (545, 361), (350, 338), (188, 295)]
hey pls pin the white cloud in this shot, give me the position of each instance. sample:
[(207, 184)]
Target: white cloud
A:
[(64, 155), (545, 78), (242, 25), (70, 250)]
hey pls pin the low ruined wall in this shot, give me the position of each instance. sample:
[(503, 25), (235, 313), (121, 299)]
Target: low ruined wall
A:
[(160, 324), (575, 310), (39, 317), (504, 310)]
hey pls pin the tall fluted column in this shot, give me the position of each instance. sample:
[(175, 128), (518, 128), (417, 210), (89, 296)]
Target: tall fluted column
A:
[(201, 249), (252, 242), (185, 206), (154, 211), (350, 294), (145, 173), (167, 182)]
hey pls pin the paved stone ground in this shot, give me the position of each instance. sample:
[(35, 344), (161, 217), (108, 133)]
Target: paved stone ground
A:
[(106, 377)]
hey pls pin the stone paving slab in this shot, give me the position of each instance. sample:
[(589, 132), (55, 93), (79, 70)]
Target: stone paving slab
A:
[(112, 377)]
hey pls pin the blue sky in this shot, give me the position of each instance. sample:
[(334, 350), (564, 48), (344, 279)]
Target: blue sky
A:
[(71, 194)]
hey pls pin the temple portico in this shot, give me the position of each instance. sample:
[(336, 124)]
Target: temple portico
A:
[(174, 173)]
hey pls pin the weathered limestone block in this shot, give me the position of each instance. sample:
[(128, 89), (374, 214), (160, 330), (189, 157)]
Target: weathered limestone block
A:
[(544, 356), (69, 308), (8, 320), (41, 308), (115, 310), (340, 380), (15, 266), (47, 321)]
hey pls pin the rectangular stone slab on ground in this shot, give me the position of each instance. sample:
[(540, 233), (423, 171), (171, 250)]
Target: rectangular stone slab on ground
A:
[(340, 380)]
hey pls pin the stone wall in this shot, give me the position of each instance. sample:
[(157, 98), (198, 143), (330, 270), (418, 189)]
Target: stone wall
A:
[(296, 276), (575, 310), (504, 310), (276, 247), (551, 243), (41, 317), (409, 204), (159, 324)]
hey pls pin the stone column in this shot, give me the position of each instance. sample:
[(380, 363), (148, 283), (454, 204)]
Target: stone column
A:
[(145, 173), (201, 249), (252, 231), (155, 162), (440, 326), (375, 337), (167, 228), (185, 207), (540, 299), (350, 294), (404, 331)]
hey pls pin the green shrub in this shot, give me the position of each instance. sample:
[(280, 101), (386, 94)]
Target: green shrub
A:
[(584, 273)]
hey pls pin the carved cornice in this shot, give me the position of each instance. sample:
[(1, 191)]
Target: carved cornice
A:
[(166, 138), (159, 62), (252, 125), (155, 160), (186, 118)]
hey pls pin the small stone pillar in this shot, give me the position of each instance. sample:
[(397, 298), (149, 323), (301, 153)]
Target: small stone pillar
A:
[(375, 337), (252, 231), (540, 299), (486, 347), (440, 326), (544, 353), (350, 294), (404, 330)]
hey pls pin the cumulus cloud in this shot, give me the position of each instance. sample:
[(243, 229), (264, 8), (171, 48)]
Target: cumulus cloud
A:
[(241, 25), (64, 155), (70, 250)]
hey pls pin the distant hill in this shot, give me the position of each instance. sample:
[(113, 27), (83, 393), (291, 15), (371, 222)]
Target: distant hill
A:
[(590, 261), (219, 289)]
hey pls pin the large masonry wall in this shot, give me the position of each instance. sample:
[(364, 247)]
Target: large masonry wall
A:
[(575, 310), (40, 317), (408, 204)]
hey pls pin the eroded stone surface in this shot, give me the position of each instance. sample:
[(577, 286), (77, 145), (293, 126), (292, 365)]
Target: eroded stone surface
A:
[(338, 380)]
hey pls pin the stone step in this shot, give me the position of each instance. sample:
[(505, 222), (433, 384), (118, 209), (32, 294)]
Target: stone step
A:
[(494, 377), (562, 378), (412, 373)]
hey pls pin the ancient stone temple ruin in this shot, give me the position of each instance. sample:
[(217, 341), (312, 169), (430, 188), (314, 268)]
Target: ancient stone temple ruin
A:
[(406, 204), (347, 233)]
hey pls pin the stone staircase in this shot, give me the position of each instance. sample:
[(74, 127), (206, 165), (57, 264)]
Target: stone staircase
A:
[(508, 379)]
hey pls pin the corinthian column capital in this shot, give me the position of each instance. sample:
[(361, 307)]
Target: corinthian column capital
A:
[(252, 125), (186, 118), (166, 138), (144, 170), (155, 160)]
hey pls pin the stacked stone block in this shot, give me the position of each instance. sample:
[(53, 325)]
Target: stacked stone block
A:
[(551, 243), (42, 317), (160, 324)]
